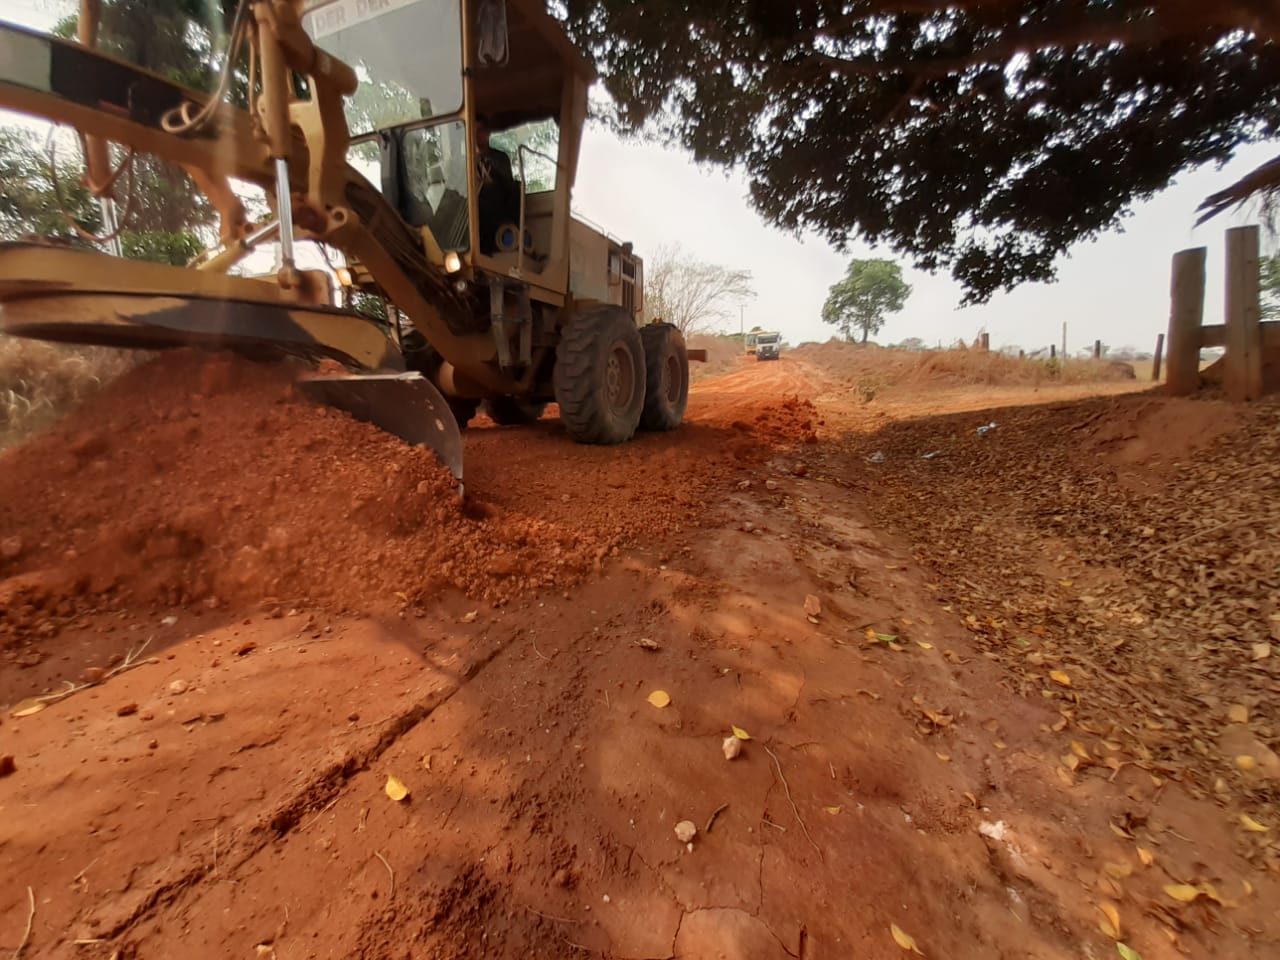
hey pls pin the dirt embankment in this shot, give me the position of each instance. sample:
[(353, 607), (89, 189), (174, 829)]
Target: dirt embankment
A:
[(198, 480)]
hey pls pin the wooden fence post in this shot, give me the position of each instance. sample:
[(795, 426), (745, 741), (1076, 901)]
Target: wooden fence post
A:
[(986, 343), (1155, 360), (1053, 351), (1097, 349), (1243, 363), (1186, 313)]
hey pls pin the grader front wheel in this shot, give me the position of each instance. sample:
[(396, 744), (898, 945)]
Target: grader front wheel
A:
[(600, 376)]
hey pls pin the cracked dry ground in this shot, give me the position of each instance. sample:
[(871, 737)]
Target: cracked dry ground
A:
[(910, 754)]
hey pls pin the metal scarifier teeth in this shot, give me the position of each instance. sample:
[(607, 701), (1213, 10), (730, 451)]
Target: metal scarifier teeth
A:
[(404, 404)]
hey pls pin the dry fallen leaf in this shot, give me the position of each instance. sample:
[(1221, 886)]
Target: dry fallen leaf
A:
[(1238, 713), (25, 708), (923, 645), (1261, 651), (1252, 825), (1182, 892), (741, 734), (470, 617), (1127, 952), (1118, 870), (1246, 762), (1060, 677), (1146, 856), (1111, 924), (942, 756), (903, 939), (659, 698), (396, 789), (1079, 750), (833, 810)]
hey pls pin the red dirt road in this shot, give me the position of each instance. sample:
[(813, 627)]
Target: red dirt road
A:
[(225, 798)]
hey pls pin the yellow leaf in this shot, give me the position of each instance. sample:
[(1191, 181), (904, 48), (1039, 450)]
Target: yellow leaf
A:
[(833, 810), (741, 734), (395, 789), (923, 645), (1118, 870), (659, 698), (1182, 892), (1146, 856), (470, 617), (1110, 926), (1060, 677), (26, 708), (895, 647), (1246, 762), (1238, 713), (1252, 825), (1000, 745), (903, 939), (942, 756), (1079, 750), (1261, 651), (1120, 831), (1127, 952)]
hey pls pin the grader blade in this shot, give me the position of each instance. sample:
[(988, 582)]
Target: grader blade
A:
[(403, 404)]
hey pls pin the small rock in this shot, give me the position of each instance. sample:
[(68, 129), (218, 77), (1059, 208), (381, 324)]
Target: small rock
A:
[(605, 898), (153, 744), (169, 621), (246, 648), (748, 527), (7, 766), (800, 469), (93, 674), (353, 717), (562, 878), (686, 831), (771, 484), (127, 710), (178, 687), (645, 643), (10, 547), (732, 747), (812, 606)]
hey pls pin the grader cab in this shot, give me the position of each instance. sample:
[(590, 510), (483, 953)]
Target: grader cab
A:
[(432, 145)]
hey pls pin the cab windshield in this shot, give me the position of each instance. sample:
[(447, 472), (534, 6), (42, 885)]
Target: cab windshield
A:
[(407, 55)]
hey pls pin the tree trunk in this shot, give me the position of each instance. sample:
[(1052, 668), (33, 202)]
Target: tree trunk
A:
[(865, 332)]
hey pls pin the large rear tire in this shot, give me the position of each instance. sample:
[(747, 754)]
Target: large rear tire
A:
[(600, 375), (512, 411), (666, 377)]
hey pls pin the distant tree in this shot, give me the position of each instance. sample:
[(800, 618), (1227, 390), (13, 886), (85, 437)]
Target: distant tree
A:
[(981, 136), (870, 290), (692, 294), (915, 344), (1269, 268)]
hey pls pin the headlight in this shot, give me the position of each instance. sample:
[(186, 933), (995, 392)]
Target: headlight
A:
[(452, 262)]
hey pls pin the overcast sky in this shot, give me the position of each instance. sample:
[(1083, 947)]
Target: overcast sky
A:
[(1114, 289)]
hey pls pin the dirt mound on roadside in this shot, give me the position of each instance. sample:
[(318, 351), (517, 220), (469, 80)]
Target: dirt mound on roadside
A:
[(208, 479)]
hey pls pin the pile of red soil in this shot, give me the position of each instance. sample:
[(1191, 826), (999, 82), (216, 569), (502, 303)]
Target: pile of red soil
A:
[(209, 479)]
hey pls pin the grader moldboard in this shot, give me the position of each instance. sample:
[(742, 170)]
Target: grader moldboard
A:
[(433, 144)]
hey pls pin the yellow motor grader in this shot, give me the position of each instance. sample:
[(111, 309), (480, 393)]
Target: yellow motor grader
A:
[(433, 144)]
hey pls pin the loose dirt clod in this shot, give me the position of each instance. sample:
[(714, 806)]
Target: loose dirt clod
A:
[(686, 830), (812, 605)]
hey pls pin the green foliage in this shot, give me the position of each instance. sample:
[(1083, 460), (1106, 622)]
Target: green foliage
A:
[(984, 137), (870, 289), (28, 205), (1269, 270), (158, 246)]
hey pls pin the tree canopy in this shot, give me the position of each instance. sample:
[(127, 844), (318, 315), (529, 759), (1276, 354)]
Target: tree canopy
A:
[(869, 290), (690, 293), (984, 137)]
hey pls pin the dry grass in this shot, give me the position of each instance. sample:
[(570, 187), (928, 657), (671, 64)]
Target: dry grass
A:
[(873, 369), (41, 381)]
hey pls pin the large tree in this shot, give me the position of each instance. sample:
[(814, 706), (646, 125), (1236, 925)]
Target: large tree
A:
[(981, 136), (692, 294), (869, 290)]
